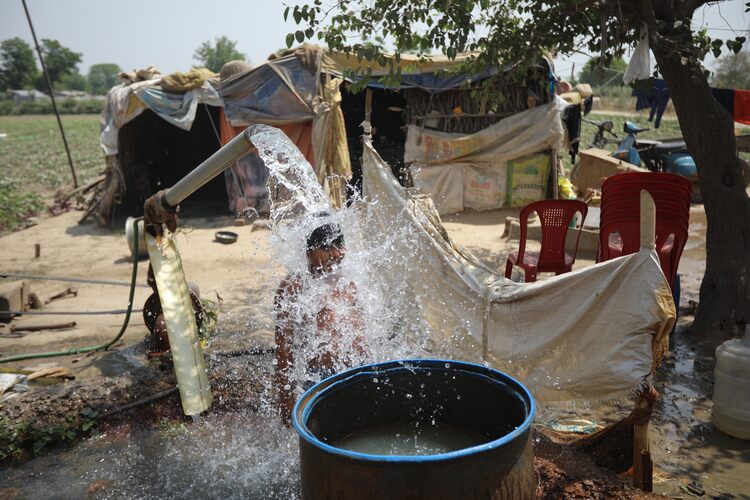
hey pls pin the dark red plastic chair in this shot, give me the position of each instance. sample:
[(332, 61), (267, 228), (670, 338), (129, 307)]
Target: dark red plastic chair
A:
[(670, 241), (619, 231), (555, 217)]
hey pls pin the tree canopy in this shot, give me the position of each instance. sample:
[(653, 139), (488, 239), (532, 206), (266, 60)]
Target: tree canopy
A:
[(17, 65), (61, 62), (733, 71), (214, 56), (102, 77), (603, 76)]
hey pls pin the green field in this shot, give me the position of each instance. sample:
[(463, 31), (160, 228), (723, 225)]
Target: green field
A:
[(34, 165)]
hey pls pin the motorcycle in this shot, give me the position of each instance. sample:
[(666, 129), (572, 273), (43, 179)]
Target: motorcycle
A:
[(669, 155)]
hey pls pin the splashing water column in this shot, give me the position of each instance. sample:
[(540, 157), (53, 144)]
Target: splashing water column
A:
[(434, 429)]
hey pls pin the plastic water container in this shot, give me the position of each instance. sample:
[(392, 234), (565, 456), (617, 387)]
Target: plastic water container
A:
[(731, 411), (142, 250)]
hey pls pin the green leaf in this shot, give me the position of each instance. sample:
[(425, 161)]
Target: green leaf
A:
[(289, 40), (300, 36), (309, 32), (297, 15), (286, 13)]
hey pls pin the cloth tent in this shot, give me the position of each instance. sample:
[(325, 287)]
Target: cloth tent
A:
[(288, 92), (126, 102), (589, 335), (301, 86)]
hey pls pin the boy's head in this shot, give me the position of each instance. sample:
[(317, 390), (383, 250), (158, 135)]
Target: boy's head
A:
[(325, 247)]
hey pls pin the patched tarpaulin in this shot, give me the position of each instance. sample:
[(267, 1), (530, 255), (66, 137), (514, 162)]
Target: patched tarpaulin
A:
[(503, 164), (589, 335), (126, 102)]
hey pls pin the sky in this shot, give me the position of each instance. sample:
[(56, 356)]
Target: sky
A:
[(138, 33)]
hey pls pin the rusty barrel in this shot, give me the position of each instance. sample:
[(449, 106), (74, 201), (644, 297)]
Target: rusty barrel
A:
[(422, 392)]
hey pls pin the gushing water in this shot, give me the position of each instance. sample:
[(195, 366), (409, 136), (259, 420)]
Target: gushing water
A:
[(356, 312)]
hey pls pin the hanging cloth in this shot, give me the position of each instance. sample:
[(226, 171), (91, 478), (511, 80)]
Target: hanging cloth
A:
[(639, 66)]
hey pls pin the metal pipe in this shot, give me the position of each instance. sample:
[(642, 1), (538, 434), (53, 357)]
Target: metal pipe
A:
[(210, 168)]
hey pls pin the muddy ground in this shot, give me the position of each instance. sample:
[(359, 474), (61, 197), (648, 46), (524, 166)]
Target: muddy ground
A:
[(690, 455)]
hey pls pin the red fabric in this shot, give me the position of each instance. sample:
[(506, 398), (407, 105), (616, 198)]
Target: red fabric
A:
[(299, 133), (742, 106), (246, 185)]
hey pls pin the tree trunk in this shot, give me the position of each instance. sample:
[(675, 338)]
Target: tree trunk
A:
[(708, 130)]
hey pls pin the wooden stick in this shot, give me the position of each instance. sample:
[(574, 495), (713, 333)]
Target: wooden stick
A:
[(138, 403), (37, 328), (368, 112), (648, 471), (648, 220), (644, 402)]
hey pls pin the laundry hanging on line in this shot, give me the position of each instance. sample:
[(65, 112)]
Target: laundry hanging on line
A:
[(656, 96)]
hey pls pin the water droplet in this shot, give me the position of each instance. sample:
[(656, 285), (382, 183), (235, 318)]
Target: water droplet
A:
[(287, 387), (375, 380), (409, 396), (447, 365), (458, 396)]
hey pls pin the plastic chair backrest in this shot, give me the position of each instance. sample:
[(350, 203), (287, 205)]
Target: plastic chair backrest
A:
[(555, 217), (626, 209), (656, 180), (630, 235), (663, 199), (646, 178)]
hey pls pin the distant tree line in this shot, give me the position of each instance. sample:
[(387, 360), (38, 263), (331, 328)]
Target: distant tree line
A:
[(19, 69)]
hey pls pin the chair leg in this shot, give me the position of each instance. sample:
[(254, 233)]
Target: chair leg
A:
[(530, 275), (508, 268)]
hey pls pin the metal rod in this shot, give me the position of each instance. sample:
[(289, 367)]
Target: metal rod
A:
[(52, 96), (69, 313), (213, 166), (71, 280)]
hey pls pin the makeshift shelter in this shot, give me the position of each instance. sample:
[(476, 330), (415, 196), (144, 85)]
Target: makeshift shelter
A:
[(502, 150), (304, 92), (154, 131)]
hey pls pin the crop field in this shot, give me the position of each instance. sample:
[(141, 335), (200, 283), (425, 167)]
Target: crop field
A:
[(34, 165)]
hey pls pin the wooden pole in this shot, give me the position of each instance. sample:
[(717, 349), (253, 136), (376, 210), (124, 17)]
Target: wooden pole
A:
[(642, 465), (648, 221), (368, 112)]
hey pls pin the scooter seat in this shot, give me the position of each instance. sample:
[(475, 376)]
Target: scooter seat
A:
[(671, 146)]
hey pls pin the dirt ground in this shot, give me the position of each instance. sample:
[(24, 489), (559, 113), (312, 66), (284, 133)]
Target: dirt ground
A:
[(689, 454)]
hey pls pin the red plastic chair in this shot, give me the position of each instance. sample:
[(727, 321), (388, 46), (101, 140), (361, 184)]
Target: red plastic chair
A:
[(670, 241), (555, 217), (619, 231)]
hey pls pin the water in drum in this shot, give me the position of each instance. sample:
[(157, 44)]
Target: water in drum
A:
[(410, 439)]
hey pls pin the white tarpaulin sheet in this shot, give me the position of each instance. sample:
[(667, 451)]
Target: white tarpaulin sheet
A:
[(128, 101), (589, 335), (483, 181)]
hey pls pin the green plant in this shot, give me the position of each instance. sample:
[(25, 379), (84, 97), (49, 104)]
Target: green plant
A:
[(17, 438), (170, 428), (210, 317)]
